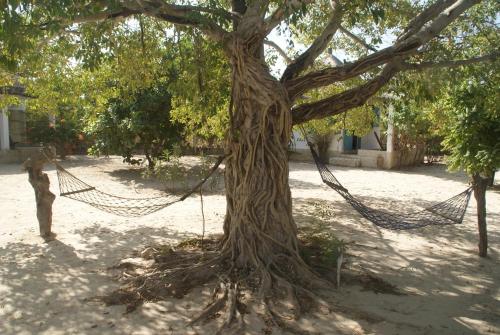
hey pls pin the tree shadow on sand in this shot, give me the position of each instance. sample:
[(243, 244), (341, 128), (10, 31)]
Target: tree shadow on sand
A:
[(48, 288), (449, 288), (134, 177), (44, 286)]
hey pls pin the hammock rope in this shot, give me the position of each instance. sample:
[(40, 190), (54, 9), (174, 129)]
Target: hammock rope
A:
[(74, 188), (450, 211)]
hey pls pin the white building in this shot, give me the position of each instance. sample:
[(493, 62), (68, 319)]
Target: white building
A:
[(13, 137), (366, 151)]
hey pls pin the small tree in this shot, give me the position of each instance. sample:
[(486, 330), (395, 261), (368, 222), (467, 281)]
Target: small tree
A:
[(472, 136), (61, 133), (141, 123)]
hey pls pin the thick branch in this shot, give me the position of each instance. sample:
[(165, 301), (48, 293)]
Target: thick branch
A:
[(239, 7), (357, 39), (282, 52), (182, 15), (283, 11), (317, 47), (405, 48), (428, 14), (97, 17), (451, 63), (177, 14), (344, 101)]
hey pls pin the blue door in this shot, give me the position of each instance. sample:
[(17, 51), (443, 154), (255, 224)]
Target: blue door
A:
[(351, 143)]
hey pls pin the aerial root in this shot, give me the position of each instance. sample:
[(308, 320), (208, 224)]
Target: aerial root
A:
[(211, 309)]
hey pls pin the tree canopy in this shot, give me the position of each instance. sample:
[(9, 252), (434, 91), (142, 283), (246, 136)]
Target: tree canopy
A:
[(372, 34)]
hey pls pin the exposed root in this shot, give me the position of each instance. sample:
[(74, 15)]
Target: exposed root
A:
[(281, 290), (213, 308), (283, 287)]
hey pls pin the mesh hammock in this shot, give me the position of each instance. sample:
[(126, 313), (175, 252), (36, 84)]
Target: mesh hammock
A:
[(76, 189), (448, 212)]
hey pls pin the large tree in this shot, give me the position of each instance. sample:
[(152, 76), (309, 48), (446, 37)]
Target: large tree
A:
[(260, 245)]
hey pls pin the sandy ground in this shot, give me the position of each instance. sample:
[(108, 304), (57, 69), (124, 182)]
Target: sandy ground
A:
[(448, 289)]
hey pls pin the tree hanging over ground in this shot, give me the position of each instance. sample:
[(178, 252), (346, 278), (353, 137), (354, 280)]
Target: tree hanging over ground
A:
[(259, 252)]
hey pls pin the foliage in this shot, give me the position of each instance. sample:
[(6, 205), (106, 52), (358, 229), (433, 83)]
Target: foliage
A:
[(412, 126), (89, 71), (321, 246), (63, 134), (473, 131), (177, 175), (202, 89), (142, 122), (7, 79)]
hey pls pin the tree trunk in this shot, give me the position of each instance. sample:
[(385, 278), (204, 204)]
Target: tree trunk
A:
[(259, 231), (44, 198), (151, 162), (479, 185), (259, 252), (491, 183), (323, 144)]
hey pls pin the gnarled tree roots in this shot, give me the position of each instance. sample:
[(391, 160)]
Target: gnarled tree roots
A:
[(280, 287)]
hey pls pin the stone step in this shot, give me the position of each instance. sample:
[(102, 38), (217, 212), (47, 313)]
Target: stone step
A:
[(345, 161)]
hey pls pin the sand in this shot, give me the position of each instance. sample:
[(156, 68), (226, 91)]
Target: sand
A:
[(448, 288)]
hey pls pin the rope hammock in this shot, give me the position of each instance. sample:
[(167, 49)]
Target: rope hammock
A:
[(448, 212), (76, 189)]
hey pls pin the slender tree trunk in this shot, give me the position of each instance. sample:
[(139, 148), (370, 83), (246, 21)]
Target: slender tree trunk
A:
[(491, 183), (480, 184), (44, 198), (259, 229), (151, 162), (61, 150), (323, 143)]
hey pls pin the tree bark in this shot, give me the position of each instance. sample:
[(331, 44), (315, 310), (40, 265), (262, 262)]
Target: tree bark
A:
[(491, 183), (258, 227), (151, 162), (479, 185), (323, 144), (44, 198)]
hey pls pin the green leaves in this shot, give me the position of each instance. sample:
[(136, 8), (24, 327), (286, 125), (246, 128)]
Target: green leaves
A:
[(201, 90), (473, 131), (140, 122)]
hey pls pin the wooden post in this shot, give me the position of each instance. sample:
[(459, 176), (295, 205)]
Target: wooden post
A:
[(44, 198)]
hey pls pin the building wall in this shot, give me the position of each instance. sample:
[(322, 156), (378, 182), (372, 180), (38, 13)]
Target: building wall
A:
[(300, 149), (18, 155), (390, 160), (17, 124), (13, 126), (369, 141), (369, 155), (4, 130)]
